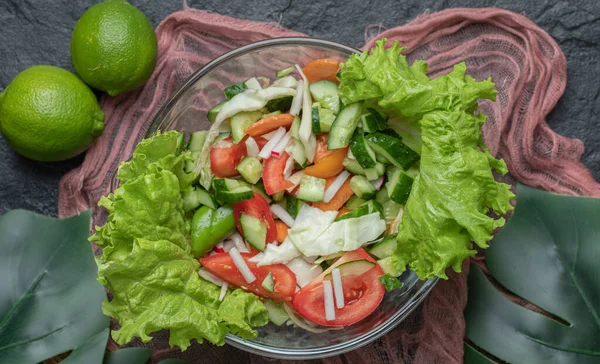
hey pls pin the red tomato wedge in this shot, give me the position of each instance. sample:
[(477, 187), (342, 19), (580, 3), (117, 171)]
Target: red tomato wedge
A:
[(222, 266), (257, 207), (225, 156), (272, 175), (362, 294)]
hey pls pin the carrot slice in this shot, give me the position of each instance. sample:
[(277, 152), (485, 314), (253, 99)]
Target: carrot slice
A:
[(328, 166), (269, 124), (321, 69), (340, 198), (282, 230), (343, 211)]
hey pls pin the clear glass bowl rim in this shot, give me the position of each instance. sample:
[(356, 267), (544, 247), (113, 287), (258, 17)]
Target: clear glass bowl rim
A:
[(249, 345)]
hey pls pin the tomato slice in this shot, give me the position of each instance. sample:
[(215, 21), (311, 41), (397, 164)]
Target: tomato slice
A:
[(225, 156), (221, 265), (257, 207), (362, 294), (272, 175)]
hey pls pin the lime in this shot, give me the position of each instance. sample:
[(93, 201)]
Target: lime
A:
[(113, 47), (48, 114)]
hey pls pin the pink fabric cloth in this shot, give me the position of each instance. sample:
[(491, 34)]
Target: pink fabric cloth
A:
[(530, 74)]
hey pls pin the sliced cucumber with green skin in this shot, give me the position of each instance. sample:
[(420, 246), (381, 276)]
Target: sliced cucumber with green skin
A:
[(284, 72), (381, 196), (268, 283), (277, 314), (392, 149), (250, 169), (235, 89), (212, 113), (231, 191), (254, 231), (240, 121), (316, 126), (390, 209), (278, 196), (295, 127), (353, 268), (353, 167), (293, 205), (282, 104), (362, 188), (296, 150), (343, 126), (354, 202), (398, 187), (312, 189), (384, 248), (373, 121), (196, 197), (326, 93), (388, 267), (197, 140), (361, 150), (368, 207), (322, 119)]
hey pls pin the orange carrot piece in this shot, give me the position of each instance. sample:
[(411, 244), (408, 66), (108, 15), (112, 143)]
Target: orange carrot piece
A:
[(343, 211), (328, 166), (322, 150), (321, 69), (269, 124), (282, 230), (340, 198)]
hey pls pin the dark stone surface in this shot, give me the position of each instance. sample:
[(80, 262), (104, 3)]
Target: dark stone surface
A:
[(38, 32)]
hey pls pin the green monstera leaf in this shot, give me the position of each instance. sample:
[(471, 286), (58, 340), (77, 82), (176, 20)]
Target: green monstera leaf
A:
[(547, 254), (50, 301)]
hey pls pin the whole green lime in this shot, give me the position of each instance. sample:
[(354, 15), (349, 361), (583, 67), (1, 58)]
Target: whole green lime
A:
[(113, 47), (48, 114)]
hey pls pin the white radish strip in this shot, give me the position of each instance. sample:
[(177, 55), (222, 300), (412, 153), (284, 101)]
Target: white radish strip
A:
[(289, 168), (335, 186), (211, 277), (266, 151), (223, 291), (251, 147), (328, 298), (227, 245), (240, 263), (377, 183), (283, 215), (253, 84), (337, 288), (295, 179), (350, 155), (269, 135), (280, 147), (297, 100), (306, 125), (257, 258), (239, 243)]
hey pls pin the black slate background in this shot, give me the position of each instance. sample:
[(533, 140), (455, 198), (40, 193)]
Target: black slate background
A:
[(38, 32)]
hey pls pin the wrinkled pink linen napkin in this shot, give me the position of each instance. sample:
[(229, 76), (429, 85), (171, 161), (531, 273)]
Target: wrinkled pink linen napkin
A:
[(526, 64)]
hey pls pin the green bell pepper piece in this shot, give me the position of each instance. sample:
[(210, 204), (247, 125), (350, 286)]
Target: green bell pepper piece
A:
[(209, 227)]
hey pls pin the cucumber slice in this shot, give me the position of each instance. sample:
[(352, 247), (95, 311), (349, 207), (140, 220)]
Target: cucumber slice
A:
[(382, 196), (240, 121), (322, 119), (251, 169), (384, 248), (295, 127), (268, 283), (388, 267), (212, 113), (284, 72), (373, 121), (361, 150), (354, 202), (235, 89), (254, 231), (296, 150), (368, 207), (277, 314), (398, 187), (392, 149), (282, 104), (353, 268), (196, 197), (326, 93), (293, 205), (312, 189), (362, 187), (316, 126), (196, 141), (278, 196), (231, 190), (343, 126), (353, 167)]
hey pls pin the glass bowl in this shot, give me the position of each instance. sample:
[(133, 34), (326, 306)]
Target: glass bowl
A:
[(186, 112)]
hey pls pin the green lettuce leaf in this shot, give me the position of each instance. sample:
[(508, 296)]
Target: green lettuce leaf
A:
[(455, 189), (147, 262)]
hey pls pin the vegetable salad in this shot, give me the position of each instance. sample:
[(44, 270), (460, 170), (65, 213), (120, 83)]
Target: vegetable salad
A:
[(305, 201)]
